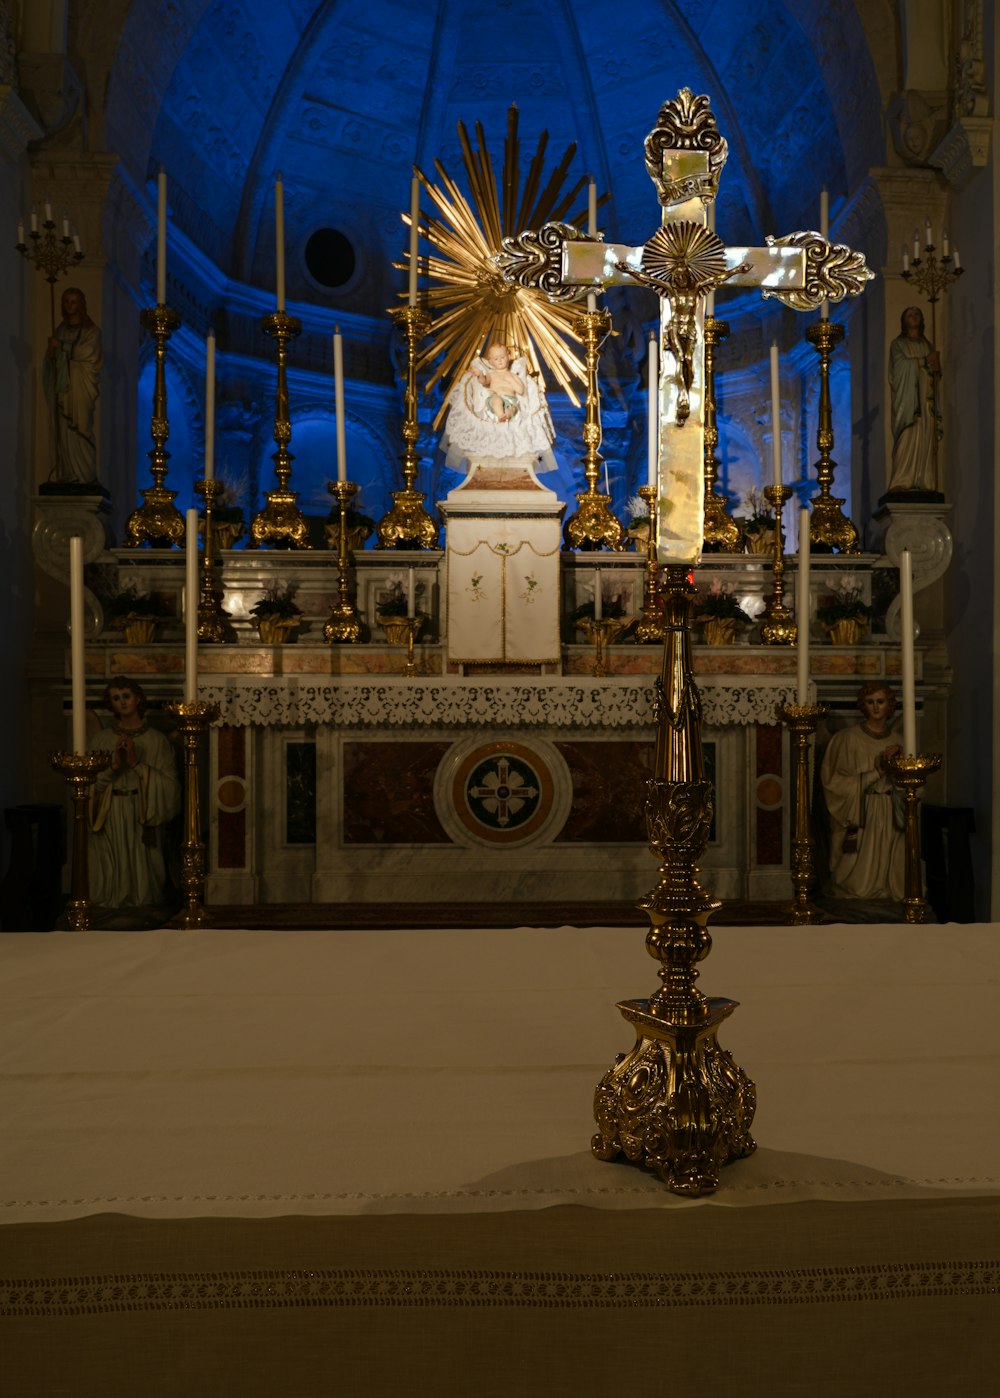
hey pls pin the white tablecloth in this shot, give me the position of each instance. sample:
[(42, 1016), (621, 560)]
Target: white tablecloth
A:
[(212, 1137)]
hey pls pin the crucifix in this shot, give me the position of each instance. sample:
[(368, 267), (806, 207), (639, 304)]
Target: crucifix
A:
[(677, 1103), (683, 262)]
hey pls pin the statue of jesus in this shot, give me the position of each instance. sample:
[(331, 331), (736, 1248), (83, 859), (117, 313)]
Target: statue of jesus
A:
[(498, 415)]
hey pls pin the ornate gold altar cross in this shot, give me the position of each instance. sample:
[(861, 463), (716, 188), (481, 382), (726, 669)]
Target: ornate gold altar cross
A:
[(682, 262)]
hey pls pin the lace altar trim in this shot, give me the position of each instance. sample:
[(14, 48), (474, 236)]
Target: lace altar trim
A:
[(398, 1287), (460, 704)]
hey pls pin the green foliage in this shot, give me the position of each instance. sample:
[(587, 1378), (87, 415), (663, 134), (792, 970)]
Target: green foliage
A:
[(278, 600), (720, 606), (130, 602)]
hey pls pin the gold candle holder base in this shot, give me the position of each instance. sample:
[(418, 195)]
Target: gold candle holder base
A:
[(778, 628), (80, 771), (910, 774), (829, 527), (158, 520), (193, 719), (650, 627), (344, 623), (281, 522), (600, 634), (403, 631), (677, 1103), (802, 721), (213, 621), (408, 521), (593, 522)]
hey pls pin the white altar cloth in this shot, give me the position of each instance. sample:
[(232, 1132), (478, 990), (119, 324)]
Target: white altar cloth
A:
[(365, 1155)]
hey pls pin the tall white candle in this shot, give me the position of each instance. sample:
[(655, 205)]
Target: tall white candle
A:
[(414, 227), (76, 663), (66, 232), (34, 220), (48, 211), (653, 441), (775, 416), (161, 237), (906, 259), (928, 238), (598, 596), (710, 220), (909, 672), (338, 402), (591, 232), (210, 406), (957, 260), (944, 244), (279, 241), (916, 246), (191, 608), (802, 611), (411, 592), (824, 232)]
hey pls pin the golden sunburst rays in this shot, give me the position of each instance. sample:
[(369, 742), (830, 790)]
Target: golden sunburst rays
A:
[(469, 299)]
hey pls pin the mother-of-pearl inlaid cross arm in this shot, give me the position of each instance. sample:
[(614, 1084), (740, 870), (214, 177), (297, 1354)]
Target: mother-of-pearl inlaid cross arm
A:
[(683, 261)]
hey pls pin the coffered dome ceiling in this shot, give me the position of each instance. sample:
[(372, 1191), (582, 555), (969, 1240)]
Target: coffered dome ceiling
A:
[(343, 96)]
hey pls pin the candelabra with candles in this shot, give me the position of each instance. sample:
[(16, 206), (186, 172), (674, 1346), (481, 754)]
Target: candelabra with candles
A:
[(931, 275), (593, 522), (158, 521), (778, 628), (721, 531), (281, 521), (408, 520), (49, 253)]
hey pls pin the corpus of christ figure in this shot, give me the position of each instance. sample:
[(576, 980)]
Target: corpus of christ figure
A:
[(683, 261)]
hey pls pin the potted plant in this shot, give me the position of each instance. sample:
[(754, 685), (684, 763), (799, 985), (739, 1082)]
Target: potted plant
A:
[(721, 617), (136, 613), (758, 525), (278, 615), (392, 611), (845, 619), (227, 518)]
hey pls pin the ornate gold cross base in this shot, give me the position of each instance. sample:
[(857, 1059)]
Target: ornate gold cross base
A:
[(910, 773), (80, 770), (193, 719), (676, 1104)]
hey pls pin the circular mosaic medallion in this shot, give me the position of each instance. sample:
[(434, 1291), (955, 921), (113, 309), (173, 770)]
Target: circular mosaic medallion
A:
[(502, 793)]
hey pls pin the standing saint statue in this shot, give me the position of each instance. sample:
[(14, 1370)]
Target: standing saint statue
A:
[(130, 804), (498, 415), (914, 374), (72, 383), (867, 850)]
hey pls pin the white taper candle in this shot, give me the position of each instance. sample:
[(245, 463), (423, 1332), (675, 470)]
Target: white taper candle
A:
[(338, 402), (210, 406), (279, 242), (191, 608), (411, 592), (802, 611), (77, 673), (653, 441), (161, 237), (414, 237), (591, 232), (775, 415), (909, 672)]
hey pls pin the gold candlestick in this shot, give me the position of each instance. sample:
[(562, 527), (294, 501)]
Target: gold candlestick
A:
[(403, 631), (721, 532), (80, 770), (677, 1103), (158, 519), (600, 634), (344, 623), (829, 527), (212, 619), (281, 521), (650, 627), (592, 521), (779, 627), (802, 720), (408, 520), (193, 719), (910, 773)]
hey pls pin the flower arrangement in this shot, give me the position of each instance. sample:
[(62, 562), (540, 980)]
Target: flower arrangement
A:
[(278, 601), (844, 617), (393, 602), (130, 602), (721, 606)]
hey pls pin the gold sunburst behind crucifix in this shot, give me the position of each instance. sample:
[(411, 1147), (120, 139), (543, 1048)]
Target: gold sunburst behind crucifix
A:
[(468, 297)]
